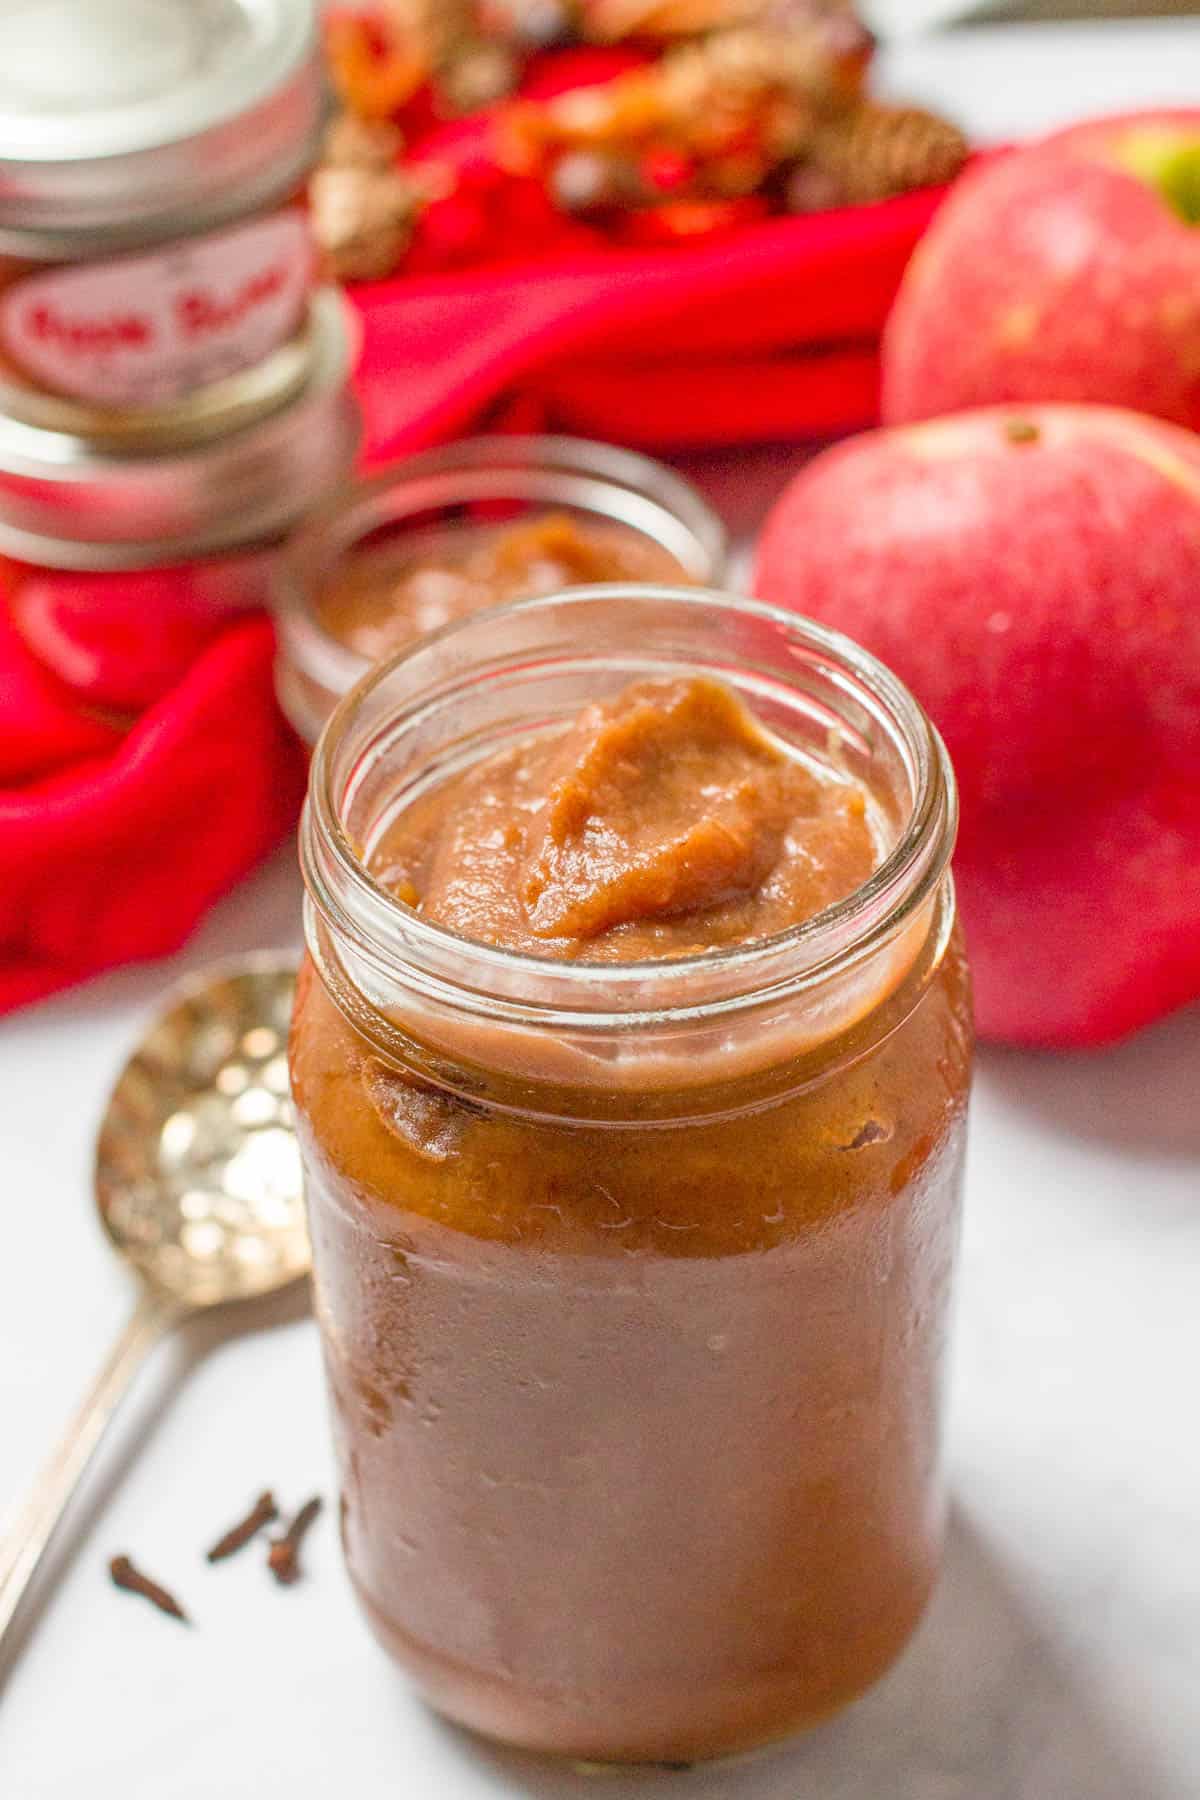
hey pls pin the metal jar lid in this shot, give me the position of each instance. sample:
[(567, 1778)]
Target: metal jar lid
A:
[(123, 122), (69, 502)]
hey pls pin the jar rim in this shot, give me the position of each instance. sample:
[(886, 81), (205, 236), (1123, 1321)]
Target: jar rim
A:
[(392, 938)]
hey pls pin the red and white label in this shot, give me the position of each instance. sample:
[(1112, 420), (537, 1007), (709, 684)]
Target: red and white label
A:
[(142, 330)]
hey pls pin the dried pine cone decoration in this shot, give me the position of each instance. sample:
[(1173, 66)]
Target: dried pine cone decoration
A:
[(873, 152), (363, 206), (749, 106), (432, 30), (467, 54), (363, 220), (352, 142), (480, 73), (709, 120)]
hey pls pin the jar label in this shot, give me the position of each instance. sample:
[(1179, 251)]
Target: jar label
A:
[(143, 330)]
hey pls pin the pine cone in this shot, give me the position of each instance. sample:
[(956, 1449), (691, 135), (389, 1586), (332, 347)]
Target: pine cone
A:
[(363, 218), (480, 72), (873, 151), (434, 30), (808, 189), (352, 142), (749, 61)]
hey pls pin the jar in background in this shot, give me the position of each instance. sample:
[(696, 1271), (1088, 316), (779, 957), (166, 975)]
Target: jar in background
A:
[(633, 1278), (153, 233), (466, 519), (214, 488)]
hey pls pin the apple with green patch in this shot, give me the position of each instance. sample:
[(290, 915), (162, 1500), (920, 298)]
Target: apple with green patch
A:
[(1034, 576), (1068, 270)]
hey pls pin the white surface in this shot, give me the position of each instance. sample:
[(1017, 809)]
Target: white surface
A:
[(1003, 82), (1061, 1658)]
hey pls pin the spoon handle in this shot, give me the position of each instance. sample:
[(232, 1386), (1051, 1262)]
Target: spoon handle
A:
[(33, 1526)]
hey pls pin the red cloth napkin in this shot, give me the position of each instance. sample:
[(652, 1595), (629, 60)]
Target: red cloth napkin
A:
[(767, 333), (118, 830)]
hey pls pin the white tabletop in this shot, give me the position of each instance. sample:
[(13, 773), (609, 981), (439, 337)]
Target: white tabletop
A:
[(1061, 1659)]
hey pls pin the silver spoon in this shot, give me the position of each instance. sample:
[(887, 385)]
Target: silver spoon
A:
[(198, 1187)]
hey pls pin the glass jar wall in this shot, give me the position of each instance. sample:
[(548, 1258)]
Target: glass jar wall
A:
[(633, 1277)]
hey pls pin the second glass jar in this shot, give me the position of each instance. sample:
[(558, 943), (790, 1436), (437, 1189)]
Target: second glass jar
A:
[(438, 533)]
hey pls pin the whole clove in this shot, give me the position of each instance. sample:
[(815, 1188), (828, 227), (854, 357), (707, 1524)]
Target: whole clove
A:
[(283, 1558), (263, 1512), (132, 1581), (870, 1133)]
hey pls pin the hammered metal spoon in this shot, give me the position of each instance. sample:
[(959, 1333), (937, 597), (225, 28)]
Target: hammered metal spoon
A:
[(198, 1187)]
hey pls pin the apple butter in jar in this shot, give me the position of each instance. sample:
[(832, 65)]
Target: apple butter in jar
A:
[(631, 1063), (444, 533)]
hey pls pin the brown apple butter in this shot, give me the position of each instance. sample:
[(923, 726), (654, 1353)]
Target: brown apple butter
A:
[(634, 1318), (380, 600), (663, 823)]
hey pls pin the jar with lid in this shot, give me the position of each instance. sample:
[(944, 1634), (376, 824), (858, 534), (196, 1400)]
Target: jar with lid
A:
[(153, 235), (209, 490), (442, 533), (632, 1276)]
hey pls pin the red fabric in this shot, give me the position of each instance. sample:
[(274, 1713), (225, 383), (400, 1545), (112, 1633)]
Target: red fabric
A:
[(116, 836), (116, 641), (766, 333)]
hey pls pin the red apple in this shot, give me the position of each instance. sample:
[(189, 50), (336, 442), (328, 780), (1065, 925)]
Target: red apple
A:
[(1069, 270), (1034, 576)]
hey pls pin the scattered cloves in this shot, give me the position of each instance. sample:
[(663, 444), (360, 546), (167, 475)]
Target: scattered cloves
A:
[(263, 1512), (132, 1581), (283, 1558)]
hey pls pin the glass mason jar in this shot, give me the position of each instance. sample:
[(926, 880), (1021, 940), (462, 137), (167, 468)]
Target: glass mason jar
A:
[(633, 1278), (440, 500)]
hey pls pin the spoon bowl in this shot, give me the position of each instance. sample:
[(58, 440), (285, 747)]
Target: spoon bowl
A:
[(197, 1168)]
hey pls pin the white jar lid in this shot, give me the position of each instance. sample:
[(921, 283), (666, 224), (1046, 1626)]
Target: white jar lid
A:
[(69, 501), (125, 121)]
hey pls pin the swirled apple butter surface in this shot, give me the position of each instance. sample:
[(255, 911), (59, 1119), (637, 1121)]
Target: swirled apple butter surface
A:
[(384, 598), (636, 1393), (663, 823)]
